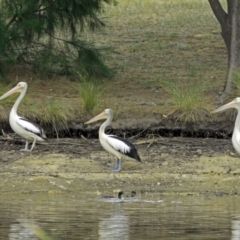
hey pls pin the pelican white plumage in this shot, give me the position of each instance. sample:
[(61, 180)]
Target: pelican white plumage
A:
[(113, 144), (23, 127), (236, 132)]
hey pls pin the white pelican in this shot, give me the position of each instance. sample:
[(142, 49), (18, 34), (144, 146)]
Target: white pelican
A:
[(114, 144), (23, 127), (236, 132)]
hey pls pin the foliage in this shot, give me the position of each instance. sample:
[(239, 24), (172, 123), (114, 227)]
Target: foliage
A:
[(47, 35)]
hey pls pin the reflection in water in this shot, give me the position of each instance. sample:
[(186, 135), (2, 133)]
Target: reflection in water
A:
[(22, 229), (26, 229), (116, 226), (235, 228), (65, 217)]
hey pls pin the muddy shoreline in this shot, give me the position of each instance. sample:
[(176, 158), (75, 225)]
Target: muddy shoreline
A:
[(213, 127), (170, 165)]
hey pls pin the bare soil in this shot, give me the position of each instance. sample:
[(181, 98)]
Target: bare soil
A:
[(172, 163), (169, 165)]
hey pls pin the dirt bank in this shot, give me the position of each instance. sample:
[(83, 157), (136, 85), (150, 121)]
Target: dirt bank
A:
[(169, 165)]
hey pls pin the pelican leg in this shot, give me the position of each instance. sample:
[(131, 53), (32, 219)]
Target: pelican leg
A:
[(33, 144), (118, 166), (26, 147)]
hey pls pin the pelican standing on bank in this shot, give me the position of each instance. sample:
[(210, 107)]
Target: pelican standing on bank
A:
[(23, 127), (236, 132), (115, 145)]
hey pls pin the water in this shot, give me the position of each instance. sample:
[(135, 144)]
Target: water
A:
[(150, 216)]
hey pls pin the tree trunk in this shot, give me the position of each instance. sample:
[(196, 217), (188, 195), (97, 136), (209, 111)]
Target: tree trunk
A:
[(230, 25), (234, 66), (224, 20)]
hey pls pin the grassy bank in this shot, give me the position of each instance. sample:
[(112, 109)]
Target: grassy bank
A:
[(157, 48)]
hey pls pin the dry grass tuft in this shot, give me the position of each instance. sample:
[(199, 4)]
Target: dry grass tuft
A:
[(89, 92), (190, 117), (51, 112), (190, 103)]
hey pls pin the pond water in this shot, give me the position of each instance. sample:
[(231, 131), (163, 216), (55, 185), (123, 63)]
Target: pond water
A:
[(149, 216)]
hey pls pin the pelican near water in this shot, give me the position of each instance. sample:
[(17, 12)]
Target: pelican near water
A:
[(23, 127), (113, 144), (236, 132)]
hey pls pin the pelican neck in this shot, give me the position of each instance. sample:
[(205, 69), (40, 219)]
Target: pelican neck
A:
[(237, 122), (105, 124), (19, 99)]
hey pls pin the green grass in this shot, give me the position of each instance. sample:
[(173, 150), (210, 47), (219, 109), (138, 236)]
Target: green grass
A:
[(153, 39), (51, 112), (236, 80), (189, 98), (56, 113), (89, 93), (170, 43)]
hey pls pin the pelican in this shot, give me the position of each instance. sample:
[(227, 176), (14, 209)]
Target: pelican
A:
[(23, 127), (236, 132), (113, 144)]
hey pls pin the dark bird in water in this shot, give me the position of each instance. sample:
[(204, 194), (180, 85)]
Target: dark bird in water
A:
[(119, 198)]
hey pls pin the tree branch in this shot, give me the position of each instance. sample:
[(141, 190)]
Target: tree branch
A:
[(13, 19), (218, 11), (224, 18)]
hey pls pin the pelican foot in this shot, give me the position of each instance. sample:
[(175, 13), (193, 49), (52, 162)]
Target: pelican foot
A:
[(24, 150), (117, 167)]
